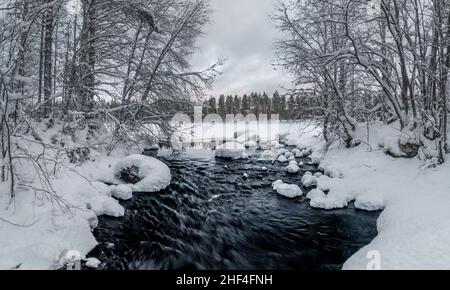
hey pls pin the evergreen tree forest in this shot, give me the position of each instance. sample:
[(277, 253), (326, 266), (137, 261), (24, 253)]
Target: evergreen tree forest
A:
[(288, 107)]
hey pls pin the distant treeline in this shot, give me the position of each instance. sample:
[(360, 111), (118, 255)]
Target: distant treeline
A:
[(287, 107)]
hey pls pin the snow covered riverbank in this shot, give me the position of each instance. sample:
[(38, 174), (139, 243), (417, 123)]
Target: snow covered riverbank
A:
[(39, 229), (414, 227)]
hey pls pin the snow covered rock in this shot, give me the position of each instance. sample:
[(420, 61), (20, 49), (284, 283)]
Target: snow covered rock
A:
[(275, 144), (289, 190), (282, 159), (369, 202), (289, 155), (251, 145), (316, 157), (92, 263), (282, 151), (230, 150), (316, 194), (327, 202), (275, 184), (400, 146), (154, 175), (324, 183), (269, 155), (293, 168), (331, 170), (122, 191), (309, 180), (105, 206), (286, 190)]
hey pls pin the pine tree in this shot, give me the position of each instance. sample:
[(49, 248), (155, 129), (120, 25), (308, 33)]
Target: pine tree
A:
[(229, 104), (212, 106), (222, 111), (282, 107), (237, 104), (276, 103), (245, 106), (291, 113)]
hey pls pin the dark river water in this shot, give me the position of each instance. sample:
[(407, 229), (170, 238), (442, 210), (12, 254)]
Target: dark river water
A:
[(213, 217)]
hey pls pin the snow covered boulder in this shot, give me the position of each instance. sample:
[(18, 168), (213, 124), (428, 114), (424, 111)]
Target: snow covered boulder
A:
[(122, 191), (251, 145), (316, 194), (230, 150), (105, 206), (269, 155), (282, 159), (327, 202), (277, 183), (289, 190), (93, 263), (309, 180), (331, 171), (292, 168), (153, 174), (289, 155), (370, 202)]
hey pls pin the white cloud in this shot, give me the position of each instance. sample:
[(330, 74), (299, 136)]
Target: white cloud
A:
[(242, 32)]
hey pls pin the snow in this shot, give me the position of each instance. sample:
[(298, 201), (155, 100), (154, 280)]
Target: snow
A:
[(251, 145), (289, 155), (39, 229), (316, 194), (230, 150), (289, 190), (414, 225), (269, 155), (155, 174), (154, 147), (92, 263), (309, 180), (286, 190), (276, 183), (122, 191), (282, 159), (293, 168)]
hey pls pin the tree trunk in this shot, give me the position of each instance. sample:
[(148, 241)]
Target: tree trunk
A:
[(88, 55), (48, 58)]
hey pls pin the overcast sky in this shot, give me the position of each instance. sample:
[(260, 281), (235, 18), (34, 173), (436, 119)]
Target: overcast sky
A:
[(242, 32)]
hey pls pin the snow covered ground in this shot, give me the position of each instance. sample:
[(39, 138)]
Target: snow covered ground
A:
[(39, 229), (414, 227), (42, 229)]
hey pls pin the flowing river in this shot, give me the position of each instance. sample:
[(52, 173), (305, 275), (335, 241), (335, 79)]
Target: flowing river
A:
[(214, 216)]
